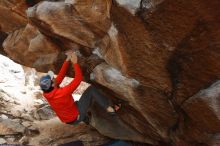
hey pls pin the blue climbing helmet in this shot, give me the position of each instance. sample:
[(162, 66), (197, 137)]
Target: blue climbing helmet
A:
[(46, 81)]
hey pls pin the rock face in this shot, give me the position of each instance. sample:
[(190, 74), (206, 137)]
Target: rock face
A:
[(31, 41), (13, 15), (157, 56), (206, 102)]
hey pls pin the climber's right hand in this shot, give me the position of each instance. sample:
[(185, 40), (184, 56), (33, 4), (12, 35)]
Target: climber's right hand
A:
[(68, 55), (73, 58)]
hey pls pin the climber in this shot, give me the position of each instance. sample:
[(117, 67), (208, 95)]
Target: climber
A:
[(61, 100)]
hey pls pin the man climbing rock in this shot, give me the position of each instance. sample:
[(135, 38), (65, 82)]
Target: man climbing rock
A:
[(61, 100)]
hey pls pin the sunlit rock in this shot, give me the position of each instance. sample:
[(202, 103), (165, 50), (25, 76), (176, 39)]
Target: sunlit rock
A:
[(184, 30), (12, 74), (2, 141), (131, 5)]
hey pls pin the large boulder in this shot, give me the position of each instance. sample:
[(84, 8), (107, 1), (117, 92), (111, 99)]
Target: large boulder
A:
[(155, 56)]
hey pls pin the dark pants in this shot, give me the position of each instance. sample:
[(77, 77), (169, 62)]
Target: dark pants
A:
[(91, 94)]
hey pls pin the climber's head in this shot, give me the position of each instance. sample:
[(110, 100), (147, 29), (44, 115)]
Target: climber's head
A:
[(46, 82)]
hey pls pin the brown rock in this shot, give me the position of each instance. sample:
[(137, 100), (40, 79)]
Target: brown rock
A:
[(203, 112), (188, 31), (27, 46), (85, 22), (214, 141), (190, 61), (142, 60), (143, 99), (3, 36), (120, 127), (12, 15), (24, 140)]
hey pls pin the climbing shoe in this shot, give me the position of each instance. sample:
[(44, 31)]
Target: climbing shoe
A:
[(116, 108)]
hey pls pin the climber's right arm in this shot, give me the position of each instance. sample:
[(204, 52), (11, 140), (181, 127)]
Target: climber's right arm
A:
[(78, 76)]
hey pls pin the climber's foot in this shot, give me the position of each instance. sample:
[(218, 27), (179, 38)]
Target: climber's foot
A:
[(117, 107), (112, 110)]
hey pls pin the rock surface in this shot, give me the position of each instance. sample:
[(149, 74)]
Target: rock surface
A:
[(2, 141), (45, 113), (13, 15), (157, 56)]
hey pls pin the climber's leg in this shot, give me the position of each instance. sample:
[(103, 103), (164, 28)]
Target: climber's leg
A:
[(86, 99), (98, 97)]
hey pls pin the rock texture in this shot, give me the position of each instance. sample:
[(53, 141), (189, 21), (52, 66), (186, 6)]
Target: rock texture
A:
[(13, 15), (25, 44), (158, 57)]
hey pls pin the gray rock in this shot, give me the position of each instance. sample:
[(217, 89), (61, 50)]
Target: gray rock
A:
[(10, 139), (35, 115), (23, 92), (2, 141), (26, 124), (24, 140), (4, 117), (27, 117), (32, 130), (5, 97), (45, 113), (8, 126), (16, 113), (38, 103), (46, 141), (16, 120)]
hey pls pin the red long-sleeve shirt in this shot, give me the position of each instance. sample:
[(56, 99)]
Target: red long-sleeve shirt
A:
[(61, 99)]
